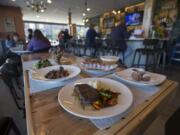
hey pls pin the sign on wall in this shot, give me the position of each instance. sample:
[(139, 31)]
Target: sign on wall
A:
[(9, 24)]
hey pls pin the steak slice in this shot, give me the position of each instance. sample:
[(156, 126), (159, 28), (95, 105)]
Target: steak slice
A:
[(86, 93)]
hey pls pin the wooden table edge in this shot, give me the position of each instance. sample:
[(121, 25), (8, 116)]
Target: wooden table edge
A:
[(29, 121)]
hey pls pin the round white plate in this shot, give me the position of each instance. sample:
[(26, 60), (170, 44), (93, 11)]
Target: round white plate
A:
[(19, 50), (109, 58), (72, 105), (39, 74), (97, 72), (125, 75)]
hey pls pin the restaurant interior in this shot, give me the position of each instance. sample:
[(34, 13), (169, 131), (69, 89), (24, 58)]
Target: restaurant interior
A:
[(89, 67)]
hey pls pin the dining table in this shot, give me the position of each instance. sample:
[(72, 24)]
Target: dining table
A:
[(19, 50), (44, 115)]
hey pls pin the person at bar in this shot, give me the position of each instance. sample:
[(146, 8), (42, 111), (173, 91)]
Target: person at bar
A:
[(61, 39), (66, 36), (39, 42), (90, 39), (119, 35)]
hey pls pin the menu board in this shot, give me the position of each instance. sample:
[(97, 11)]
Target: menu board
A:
[(9, 24), (109, 22)]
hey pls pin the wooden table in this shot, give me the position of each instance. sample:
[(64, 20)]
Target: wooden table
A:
[(44, 115)]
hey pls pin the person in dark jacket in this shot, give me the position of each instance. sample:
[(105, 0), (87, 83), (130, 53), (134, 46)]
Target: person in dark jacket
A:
[(119, 35), (90, 39), (66, 36)]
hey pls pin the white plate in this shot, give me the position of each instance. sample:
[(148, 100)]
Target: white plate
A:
[(19, 50), (109, 58), (98, 72), (72, 104), (39, 74), (125, 75)]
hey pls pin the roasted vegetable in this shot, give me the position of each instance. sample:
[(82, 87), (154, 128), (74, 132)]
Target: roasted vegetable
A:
[(42, 64)]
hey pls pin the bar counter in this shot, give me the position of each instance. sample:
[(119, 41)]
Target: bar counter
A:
[(132, 45)]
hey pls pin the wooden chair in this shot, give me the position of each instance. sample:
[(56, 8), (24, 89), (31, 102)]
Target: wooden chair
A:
[(9, 74)]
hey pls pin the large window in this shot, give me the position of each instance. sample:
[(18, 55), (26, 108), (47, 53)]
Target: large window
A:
[(81, 31), (51, 30)]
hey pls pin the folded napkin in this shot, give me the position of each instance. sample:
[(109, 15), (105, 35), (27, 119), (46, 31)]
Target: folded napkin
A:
[(108, 122)]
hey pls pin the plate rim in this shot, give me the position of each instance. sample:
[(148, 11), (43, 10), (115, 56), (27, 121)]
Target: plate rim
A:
[(114, 58), (96, 117), (56, 80), (139, 83)]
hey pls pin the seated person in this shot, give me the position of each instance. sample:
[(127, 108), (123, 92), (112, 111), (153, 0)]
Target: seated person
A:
[(9, 42), (38, 42), (16, 39)]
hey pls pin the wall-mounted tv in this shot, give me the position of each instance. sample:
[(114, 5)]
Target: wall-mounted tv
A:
[(133, 19)]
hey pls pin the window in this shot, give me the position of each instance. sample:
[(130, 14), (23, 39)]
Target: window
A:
[(51, 31)]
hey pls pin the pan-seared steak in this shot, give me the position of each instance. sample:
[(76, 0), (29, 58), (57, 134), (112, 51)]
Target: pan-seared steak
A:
[(86, 93)]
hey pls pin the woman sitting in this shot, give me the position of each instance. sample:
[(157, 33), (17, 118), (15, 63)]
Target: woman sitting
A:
[(9, 42), (38, 42)]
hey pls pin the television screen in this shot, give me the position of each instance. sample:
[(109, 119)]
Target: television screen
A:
[(133, 19)]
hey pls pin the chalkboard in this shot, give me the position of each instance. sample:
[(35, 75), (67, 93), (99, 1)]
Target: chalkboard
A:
[(109, 22)]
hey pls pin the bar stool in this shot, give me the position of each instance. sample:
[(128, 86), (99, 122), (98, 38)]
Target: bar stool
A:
[(6, 125), (118, 49), (97, 47), (107, 48), (114, 48), (150, 50)]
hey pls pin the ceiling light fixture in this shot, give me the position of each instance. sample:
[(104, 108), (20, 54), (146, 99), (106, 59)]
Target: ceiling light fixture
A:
[(49, 1), (38, 6), (13, 0), (42, 10), (88, 9), (86, 6), (87, 20), (84, 14), (114, 12)]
